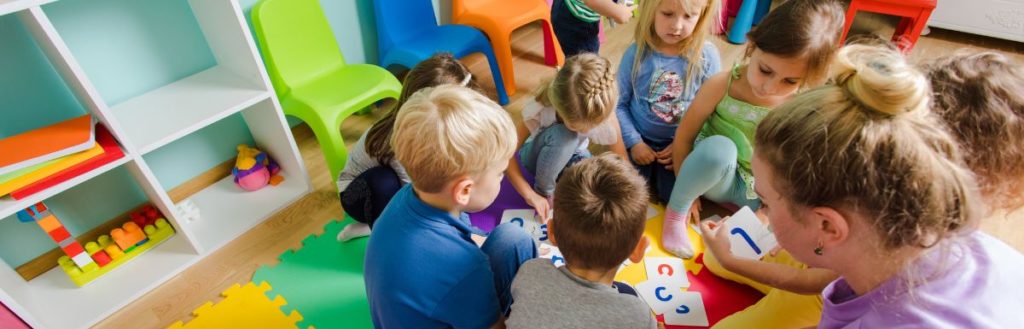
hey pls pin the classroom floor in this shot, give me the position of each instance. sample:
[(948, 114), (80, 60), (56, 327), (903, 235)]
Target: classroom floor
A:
[(236, 262)]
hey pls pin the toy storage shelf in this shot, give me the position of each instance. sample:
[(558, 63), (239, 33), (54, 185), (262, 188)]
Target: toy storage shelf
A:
[(58, 303), (168, 112), (164, 115), (10, 6), (9, 206)]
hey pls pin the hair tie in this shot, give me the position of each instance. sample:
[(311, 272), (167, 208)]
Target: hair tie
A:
[(465, 81)]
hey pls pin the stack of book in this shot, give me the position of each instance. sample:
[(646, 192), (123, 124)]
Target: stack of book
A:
[(38, 159)]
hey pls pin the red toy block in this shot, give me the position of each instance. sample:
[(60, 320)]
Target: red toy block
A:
[(59, 234), (73, 249), (139, 219), (127, 236), (101, 258)]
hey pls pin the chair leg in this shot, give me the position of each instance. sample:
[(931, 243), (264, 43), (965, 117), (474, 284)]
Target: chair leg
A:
[(332, 145), (501, 42), (917, 26), (763, 6), (552, 50), (499, 83), (848, 21), (741, 25)]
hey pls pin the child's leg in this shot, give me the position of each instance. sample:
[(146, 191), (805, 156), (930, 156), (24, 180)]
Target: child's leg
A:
[(507, 247), (575, 36), (547, 154), (365, 198), (710, 166)]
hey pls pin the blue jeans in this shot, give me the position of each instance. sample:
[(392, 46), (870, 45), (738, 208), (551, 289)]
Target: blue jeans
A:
[(367, 195), (710, 170), (659, 179), (548, 153), (507, 247), (575, 36)]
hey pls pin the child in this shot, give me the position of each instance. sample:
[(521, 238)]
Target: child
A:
[(577, 22), (366, 184), (599, 223), (981, 97), (859, 178), (422, 268), (792, 47), (575, 108), (658, 76)]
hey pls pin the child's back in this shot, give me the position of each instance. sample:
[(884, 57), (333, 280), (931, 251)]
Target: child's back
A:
[(600, 213)]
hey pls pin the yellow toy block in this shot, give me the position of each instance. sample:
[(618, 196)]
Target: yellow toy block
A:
[(243, 307)]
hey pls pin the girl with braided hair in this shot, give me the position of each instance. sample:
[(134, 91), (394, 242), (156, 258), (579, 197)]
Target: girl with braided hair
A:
[(559, 123)]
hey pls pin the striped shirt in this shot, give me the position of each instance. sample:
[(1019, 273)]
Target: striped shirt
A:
[(581, 11)]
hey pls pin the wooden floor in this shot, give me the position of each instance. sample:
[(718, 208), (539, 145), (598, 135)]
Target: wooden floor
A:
[(237, 261)]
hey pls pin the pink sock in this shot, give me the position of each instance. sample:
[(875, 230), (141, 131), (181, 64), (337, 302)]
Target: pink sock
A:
[(674, 236)]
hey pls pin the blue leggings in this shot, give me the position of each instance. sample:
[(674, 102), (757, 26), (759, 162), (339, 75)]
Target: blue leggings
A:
[(710, 170), (507, 248)]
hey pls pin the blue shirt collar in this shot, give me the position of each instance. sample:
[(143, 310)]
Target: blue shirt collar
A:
[(434, 214)]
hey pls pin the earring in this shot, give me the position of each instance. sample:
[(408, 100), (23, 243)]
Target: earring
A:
[(819, 250)]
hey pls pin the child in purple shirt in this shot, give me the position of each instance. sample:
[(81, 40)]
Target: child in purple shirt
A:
[(859, 178)]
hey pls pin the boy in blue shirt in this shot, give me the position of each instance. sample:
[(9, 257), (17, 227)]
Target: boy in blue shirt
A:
[(423, 269)]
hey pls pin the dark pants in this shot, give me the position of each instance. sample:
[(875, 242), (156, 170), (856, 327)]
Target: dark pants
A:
[(575, 36), (660, 181), (365, 198)]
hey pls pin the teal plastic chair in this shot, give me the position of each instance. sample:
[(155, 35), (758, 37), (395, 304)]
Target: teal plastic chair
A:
[(309, 72)]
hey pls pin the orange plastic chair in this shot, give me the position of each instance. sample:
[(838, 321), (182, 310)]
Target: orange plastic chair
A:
[(498, 18), (914, 17)]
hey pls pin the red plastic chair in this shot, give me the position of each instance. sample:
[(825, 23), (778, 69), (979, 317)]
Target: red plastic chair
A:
[(914, 15), (498, 18)]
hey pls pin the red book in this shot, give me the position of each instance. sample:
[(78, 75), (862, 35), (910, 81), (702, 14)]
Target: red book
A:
[(111, 152)]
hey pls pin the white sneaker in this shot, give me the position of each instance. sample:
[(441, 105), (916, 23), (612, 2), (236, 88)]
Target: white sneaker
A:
[(354, 230)]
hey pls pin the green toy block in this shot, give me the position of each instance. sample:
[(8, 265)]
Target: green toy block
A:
[(157, 233)]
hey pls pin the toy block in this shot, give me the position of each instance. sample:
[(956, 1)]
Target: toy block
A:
[(127, 236), (101, 258), (138, 218), (153, 234), (49, 223), (142, 242), (73, 248), (59, 234), (276, 180), (81, 259), (30, 214)]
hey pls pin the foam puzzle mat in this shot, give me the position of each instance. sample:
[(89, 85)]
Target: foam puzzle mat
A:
[(243, 307), (323, 280)]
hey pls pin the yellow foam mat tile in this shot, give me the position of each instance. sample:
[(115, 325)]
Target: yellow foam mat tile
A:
[(243, 307)]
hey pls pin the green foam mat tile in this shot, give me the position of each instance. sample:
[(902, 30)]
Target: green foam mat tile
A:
[(323, 280)]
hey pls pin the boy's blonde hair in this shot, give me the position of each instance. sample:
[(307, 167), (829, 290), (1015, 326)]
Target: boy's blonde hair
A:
[(801, 28), (869, 145), (981, 97), (600, 212), (448, 131), (583, 92), (691, 48)]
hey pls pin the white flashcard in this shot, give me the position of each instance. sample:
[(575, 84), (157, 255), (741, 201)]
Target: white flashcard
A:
[(688, 310), (651, 212), (552, 253), (748, 236), (527, 219), (660, 294), (670, 268)]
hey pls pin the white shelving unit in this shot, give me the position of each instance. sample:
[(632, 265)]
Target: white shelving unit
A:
[(236, 85)]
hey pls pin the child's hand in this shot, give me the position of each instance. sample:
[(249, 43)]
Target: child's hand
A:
[(624, 14), (716, 238), (539, 204), (665, 157), (642, 154)]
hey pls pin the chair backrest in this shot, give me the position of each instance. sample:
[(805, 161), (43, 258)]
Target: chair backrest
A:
[(397, 20), (295, 40)]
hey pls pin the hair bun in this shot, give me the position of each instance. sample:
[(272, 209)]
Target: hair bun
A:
[(880, 79)]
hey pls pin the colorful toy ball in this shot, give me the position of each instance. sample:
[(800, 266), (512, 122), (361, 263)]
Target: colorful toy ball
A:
[(254, 169)]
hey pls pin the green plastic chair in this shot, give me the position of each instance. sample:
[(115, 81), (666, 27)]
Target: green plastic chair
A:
[(309, 72)]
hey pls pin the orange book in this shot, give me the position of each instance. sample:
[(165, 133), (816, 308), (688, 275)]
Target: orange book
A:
[(64, 163), (47, 143)]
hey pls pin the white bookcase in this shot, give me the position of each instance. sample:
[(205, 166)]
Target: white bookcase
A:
[(235, 86)]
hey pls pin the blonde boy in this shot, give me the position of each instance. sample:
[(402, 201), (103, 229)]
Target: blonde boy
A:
[(422, 268), (600, 213)]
